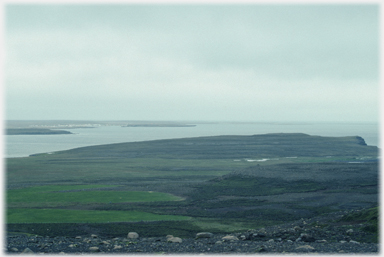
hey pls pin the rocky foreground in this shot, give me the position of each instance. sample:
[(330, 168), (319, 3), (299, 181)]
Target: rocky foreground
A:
[(322, 235)]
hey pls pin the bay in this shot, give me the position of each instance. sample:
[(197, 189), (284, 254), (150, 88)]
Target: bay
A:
[(25, 145)]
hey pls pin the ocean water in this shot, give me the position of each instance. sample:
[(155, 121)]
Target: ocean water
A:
[(25, 145)]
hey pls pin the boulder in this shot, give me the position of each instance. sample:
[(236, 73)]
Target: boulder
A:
[(27, 251), (174, 240), (307, 238), (260, 249), (305, 248), (204, 235), (94, 249), (230, 238), (132, 235)]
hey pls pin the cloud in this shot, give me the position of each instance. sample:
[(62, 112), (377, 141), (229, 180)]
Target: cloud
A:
[(240, 63)]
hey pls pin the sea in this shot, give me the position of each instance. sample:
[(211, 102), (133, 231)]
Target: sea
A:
[(25, 145)]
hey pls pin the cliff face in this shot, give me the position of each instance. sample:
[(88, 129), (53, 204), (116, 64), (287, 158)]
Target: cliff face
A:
[(360, 141)]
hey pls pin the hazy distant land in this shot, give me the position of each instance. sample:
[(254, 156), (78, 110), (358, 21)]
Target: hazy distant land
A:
[(169, 125), (72, 124), (35, 131)]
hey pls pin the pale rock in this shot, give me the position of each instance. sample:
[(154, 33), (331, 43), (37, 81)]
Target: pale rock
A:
[(94, 249), (27, 251), (204, 235), (262, 230), (305, 247), (230, 238), (297, 228), (133, 235), (175, 240)]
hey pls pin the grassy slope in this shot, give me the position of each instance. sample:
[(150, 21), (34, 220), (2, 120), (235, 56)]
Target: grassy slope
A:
[(188, 168)]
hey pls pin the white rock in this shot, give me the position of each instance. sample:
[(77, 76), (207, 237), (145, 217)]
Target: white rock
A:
[(175, 240), (133, 235), (305, 247), (230, 238), (94, 249), (204, 235)]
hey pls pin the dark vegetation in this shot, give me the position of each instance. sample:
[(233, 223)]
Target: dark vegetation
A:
[(35, 131), (227, 183)]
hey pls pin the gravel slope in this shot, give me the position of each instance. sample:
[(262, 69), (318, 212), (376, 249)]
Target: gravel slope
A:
[(323, 234)]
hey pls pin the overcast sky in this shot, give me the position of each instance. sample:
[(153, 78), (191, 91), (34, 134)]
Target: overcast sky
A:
[(246, 62)]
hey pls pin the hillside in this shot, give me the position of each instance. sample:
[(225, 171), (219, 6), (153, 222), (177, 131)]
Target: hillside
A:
[(220, 184)]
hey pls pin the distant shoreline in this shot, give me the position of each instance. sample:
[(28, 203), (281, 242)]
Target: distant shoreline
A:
[(35, 131), (159, 125)]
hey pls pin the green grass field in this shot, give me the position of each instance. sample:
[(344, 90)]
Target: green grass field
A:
[(61, 196), (29, 215), (64, 194)]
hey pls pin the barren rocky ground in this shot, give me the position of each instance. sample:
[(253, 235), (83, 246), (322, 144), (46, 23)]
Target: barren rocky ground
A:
[(323, 234)]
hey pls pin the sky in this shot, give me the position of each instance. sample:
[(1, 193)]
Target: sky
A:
[(210, 62)]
